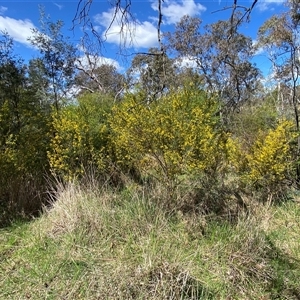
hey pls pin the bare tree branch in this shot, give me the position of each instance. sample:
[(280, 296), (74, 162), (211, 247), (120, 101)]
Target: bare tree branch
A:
[(89, 71), (121, 15), (234, 8)]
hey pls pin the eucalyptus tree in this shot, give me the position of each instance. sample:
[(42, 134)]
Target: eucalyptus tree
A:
[(104, 79), (279, 36), (38, 82), (152, 72), (57, 58), (125, 19), (157, 75), (221, 55)]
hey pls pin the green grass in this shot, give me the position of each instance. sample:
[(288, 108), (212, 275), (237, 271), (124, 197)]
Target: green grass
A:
[(100, 244)]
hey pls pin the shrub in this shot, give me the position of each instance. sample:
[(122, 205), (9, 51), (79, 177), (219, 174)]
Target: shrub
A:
[(271, 157), (252, 119), (176, 135), (80, 137), (23, 158)]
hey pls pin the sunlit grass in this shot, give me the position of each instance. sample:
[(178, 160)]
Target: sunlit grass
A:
[(96, 243)]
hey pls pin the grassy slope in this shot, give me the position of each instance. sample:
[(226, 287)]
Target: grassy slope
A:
[(103, 245)]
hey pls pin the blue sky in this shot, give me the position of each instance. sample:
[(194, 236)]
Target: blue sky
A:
[(19, 17)]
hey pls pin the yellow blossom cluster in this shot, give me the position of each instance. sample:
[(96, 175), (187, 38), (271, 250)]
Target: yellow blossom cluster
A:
[(175, 135), (179, 134), (68, 143), (271, 157), (79, 137)]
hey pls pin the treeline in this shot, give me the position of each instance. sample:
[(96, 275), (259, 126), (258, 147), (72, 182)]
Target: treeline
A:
[(208, 125)]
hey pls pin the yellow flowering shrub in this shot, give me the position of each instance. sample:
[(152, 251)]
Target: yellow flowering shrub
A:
[(270, 157), (235, 156), (175, 135), (80, 137), (67, 144)]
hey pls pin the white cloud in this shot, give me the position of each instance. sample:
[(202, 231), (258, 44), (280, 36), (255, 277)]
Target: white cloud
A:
[(267, 4), (257, 49), (19, 30), (3, 9), (96, 61), (186, 62), (173, 10), (143, 34), (59, 6), (132, 34)]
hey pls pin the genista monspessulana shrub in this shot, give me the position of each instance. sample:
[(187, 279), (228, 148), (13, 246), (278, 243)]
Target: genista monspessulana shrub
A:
[(176, 137), (267, 161), (80, 137), (178, 134), (270, 158)]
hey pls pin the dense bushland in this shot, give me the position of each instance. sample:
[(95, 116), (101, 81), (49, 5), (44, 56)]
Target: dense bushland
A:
[(178, 140), (211, 129), (179, 183)]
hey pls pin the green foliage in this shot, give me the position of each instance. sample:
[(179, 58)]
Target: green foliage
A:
[(24, 146), (23, 161), (178, 134), (23, 138), (104, 79), (226, 68), (157, 72), (55, 67), (252, 119)]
